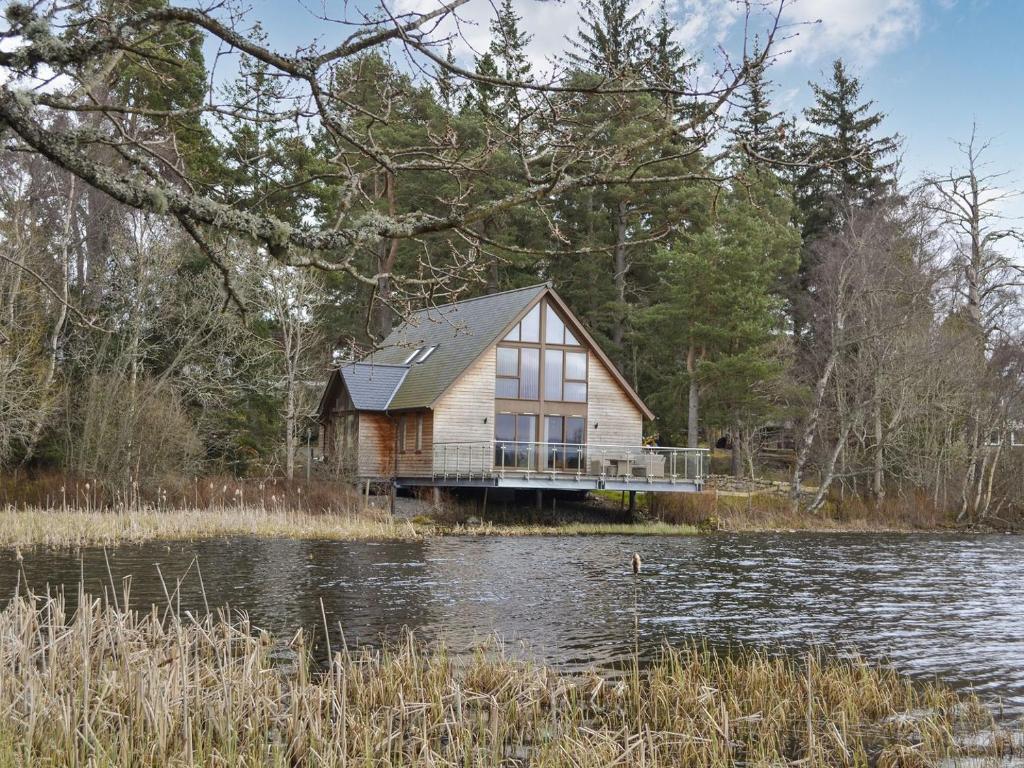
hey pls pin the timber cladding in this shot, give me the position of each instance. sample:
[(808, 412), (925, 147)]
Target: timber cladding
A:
[(376, 445), (618, 420), (460, 412), (418, 426)]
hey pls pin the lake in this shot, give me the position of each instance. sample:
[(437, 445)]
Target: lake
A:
[(941, 606)]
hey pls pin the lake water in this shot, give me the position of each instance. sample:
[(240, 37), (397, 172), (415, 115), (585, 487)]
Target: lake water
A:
[(934, 606)]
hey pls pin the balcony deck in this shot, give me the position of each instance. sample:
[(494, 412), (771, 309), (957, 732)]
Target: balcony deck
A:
[(564, 466)]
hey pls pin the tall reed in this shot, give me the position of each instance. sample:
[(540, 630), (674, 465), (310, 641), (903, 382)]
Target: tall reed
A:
[(108, 687)]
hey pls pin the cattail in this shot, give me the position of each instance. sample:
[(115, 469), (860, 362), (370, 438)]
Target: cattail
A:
[(637, 562)]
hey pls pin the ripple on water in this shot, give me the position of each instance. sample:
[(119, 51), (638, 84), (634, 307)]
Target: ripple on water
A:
[(937, 605)]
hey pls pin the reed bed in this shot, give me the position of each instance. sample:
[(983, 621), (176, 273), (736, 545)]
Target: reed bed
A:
[(80, 527), (108, 687), (71, 528)]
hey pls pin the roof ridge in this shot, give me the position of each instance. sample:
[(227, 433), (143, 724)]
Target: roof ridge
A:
[(545, 284), (373, 364)]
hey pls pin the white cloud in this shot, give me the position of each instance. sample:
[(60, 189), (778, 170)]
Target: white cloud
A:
[(859, 30)]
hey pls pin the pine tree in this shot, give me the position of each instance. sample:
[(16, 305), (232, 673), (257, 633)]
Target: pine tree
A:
[(446, 84), (851, 164), (485, 95), (508, 43), (760, 130), (668, 62), (507, 51), (612, 40)]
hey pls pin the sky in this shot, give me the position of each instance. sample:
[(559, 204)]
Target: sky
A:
[(934, 67)]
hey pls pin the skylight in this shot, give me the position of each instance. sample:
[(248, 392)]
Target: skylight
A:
[(425, 353), (412, 355)]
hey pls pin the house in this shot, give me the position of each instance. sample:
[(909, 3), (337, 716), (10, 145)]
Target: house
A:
[(504, 390)]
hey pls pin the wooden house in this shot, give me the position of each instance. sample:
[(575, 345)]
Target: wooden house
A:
[(502, 390)]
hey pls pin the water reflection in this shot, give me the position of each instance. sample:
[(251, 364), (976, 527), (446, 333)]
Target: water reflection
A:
[(933, 605)]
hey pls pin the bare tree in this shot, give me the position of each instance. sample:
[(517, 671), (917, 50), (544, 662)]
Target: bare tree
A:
[(56, 100), (986, 285), (291, 297)]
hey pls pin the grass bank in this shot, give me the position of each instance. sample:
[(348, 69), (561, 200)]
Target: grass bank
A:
[(111, 688), (770, 510), (39, 527)]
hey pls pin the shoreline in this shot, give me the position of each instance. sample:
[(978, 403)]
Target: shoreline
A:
[(75, 528), (34, 528)]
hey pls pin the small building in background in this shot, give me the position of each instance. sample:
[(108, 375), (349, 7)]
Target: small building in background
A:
[(505, 390)]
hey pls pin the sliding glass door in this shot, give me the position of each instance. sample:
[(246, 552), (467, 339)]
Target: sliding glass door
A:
[(565, 437), (515, 438)]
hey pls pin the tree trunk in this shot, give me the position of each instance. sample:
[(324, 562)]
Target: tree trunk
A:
[(737, 452), (830, 470), (693, 399), (806, 441), (878, 477), (53, 343), (621, 268), (290, 427), (387, 255)]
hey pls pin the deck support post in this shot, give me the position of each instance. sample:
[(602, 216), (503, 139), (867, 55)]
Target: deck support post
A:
[(437, 497), (540, 500), (632, 504)]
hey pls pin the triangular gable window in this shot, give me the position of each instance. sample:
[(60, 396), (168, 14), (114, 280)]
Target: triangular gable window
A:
[(527, 329), (555, 329)]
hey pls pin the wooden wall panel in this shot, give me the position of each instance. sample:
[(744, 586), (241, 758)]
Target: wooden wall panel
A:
[(619, 421), (376, 445), (413, 463), (459, 418)]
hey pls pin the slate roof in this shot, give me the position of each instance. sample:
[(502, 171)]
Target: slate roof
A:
[(371, 386), (460, 331)]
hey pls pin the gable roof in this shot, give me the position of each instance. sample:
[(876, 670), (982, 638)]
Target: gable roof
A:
[(370, 386), (461, 331)]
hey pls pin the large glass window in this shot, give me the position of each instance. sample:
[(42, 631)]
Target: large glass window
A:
[(518, 373), (555, 331), (565, 376), (575, 388), (515, 440), (527, 329), (553, 374)]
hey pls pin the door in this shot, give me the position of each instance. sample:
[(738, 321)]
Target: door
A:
[(515, 441), (565, 440)]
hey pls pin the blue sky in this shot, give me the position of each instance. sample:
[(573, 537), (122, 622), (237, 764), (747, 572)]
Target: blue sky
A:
[(933, 66)]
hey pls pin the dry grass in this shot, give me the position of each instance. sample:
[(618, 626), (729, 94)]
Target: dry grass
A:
[(113, 688), (770, 511), (76, 527), (72, 528)]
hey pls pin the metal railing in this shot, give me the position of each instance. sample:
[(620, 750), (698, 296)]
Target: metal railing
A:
[(469, 460)]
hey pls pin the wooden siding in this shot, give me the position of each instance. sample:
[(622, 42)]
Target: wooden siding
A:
[(619, 421), (459, 417), (376, 445), (459, 414), (413, 463)]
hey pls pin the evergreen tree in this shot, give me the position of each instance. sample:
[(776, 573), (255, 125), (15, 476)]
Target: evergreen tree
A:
[(718, 310), (486, 95), (851, 165), (612, 40), (508, 44), (668, 61), (761, 130), (445, 83)]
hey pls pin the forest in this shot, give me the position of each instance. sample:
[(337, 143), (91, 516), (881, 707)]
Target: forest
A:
[(195, 227)]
